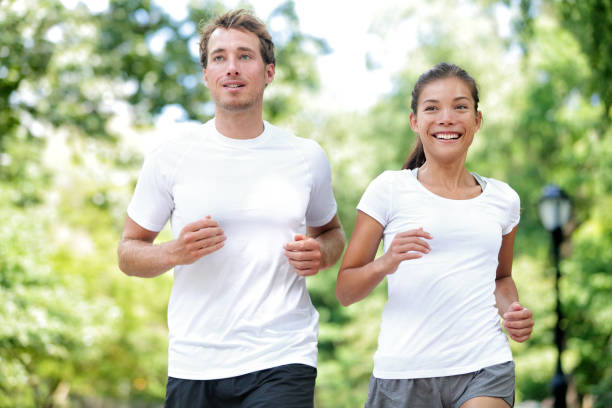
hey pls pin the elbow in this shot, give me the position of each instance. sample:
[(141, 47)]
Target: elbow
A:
[(125, 270), (342, 297), (343, 291), (123, 267), (122, 263), (344, 302)]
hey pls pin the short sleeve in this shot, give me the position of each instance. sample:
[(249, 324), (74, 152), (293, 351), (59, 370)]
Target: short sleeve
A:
[(321, 205), (377, 199), (514, 211), (152, 202)]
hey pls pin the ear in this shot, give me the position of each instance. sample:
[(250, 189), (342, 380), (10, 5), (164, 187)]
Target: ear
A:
[(413, 123), (478, 120), (204, 71), (270, 69)]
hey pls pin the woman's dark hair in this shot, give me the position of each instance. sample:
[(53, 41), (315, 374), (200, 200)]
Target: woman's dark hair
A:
[(439, 71)]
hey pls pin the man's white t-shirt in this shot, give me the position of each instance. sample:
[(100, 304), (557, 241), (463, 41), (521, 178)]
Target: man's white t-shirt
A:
[(440, 318), (242, 308)]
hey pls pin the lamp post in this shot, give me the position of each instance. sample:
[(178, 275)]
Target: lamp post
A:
[(555, 210)]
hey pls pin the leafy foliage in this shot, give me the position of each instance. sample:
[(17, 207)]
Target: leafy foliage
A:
[(50, 330), (589, 22), (80, 89), (541, 125)]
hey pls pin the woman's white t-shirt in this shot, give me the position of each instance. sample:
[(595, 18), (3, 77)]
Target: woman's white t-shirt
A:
[(440, 318)]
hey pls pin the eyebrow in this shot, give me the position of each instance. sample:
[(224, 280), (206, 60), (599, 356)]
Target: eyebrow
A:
[(436, 101), (218, 50)]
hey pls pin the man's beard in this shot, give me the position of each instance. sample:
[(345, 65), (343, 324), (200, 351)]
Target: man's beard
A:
[(238, 104)]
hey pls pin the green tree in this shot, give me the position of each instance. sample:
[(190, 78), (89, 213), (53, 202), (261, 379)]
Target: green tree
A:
[(566, 125), (542, 123), (78, 91), (589, 22), (50, 330), (567, 142)]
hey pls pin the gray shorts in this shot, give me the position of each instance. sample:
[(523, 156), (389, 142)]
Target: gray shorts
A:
[(443, 392)]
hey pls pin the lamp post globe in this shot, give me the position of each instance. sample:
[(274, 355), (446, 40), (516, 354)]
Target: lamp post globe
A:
[(555, 207), (555, 210)]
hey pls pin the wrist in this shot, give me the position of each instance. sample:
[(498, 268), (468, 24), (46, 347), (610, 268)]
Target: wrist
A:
[(169, 256), (383, 267), (330, 247)]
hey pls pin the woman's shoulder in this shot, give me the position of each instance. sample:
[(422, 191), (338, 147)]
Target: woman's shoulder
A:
[(501, 188), (390, 177), (393, 174)]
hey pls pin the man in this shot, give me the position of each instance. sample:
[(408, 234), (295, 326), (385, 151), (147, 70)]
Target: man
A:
[(240, 193)]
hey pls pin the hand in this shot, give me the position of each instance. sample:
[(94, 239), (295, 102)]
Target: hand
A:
[(406, 245), (304, 254), (518, 322), (197, 239)]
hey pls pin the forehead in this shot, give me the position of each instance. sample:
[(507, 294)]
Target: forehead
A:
[(232, 39), (446, 88)]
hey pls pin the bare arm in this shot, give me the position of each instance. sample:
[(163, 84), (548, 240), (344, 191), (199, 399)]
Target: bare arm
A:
[(138, 256), (517, 319), (359, 273), (320, 248), (331, 241)]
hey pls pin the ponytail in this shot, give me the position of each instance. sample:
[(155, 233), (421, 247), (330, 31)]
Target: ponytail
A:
[(417, 157)]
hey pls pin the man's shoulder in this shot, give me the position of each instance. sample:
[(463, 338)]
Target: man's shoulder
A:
[(188, 132), (281, 133), (288, 137), (171, 140)]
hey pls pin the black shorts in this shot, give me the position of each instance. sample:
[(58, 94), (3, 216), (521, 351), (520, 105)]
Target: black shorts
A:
[(290, 386)]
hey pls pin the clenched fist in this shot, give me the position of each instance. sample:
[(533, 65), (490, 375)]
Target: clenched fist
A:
[(197, 239), (304, 254)]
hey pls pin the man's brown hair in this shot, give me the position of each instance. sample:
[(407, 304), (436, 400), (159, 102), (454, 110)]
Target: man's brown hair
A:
[(239, 20)]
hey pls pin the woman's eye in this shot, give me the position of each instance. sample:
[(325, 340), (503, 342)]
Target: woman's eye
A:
[(462, 107), (429, 108)]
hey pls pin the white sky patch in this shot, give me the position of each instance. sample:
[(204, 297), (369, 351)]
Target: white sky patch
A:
[(503, 15), (55, 34), (177, 9), (347, 83), (157, 41), (95, 6), (171, 113)]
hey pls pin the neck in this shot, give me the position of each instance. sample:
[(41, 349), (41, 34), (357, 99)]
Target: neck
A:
[(245, 124), (450, 176)]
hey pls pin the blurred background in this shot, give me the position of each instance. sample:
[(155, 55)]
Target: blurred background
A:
[(87, 88)]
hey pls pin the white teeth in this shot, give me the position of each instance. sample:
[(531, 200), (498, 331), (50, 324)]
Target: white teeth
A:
[(233, 86), (447, 136)]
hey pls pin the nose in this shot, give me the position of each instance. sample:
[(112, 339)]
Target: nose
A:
[(445, 116), (232, 66)]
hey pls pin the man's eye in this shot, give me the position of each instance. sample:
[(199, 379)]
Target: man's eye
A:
[(218, 58), (245, 56)]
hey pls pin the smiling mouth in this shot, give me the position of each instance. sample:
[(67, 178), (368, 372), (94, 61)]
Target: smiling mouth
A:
[(233, 86), (447, 136)]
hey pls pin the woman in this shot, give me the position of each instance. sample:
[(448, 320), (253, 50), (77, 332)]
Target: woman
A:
[(448, 237)]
